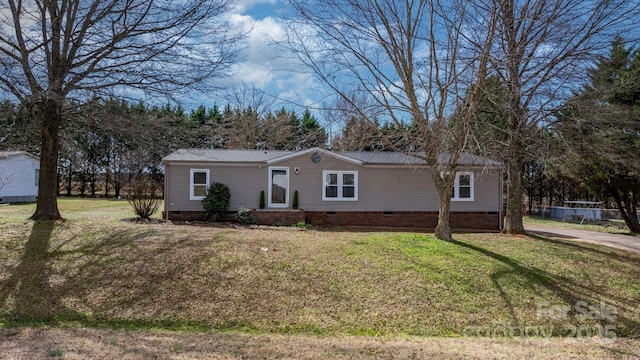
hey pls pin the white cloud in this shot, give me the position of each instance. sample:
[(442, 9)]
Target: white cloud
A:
[(264, 67), (259, 53)]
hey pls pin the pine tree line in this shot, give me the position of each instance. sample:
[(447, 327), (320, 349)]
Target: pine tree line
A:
[(104, 144)]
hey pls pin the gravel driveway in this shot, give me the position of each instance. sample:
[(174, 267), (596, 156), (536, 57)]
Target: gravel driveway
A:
[(625, 242)]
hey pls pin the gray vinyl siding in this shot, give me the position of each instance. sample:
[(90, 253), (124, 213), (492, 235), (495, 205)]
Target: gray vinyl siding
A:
[(244, 182), (386, 189), (487, 192), (379, 188)]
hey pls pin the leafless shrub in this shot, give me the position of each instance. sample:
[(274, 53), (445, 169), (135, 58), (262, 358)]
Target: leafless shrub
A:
[(144, 196)]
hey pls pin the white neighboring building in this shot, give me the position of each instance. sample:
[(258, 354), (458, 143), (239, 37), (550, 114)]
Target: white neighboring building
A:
[(19, 176)]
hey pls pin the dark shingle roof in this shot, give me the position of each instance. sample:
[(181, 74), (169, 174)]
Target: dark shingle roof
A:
[(363, 157)]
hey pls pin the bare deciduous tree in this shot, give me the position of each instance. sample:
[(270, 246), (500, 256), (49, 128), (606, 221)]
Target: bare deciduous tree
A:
[(413, 59), (51, 51), (247, 96), (542, 47)]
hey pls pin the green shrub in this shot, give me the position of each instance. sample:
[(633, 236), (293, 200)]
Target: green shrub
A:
[(216, 203), (245, 216), (262, 200), (295, 199)]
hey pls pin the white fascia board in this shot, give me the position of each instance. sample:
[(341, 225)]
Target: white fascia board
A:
[(312, 150)]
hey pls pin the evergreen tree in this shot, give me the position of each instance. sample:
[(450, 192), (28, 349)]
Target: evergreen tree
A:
[(601, 129), (311, 133)]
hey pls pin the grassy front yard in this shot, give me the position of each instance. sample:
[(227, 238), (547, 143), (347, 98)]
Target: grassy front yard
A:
[(612, 227), (95, 270)]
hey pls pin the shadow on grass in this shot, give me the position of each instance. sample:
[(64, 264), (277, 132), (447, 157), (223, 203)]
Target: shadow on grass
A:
[(566, 289), (550, 234), (97, 278), (610, 252), (28, 287)]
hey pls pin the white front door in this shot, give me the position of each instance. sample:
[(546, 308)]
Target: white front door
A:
[(278, 187)]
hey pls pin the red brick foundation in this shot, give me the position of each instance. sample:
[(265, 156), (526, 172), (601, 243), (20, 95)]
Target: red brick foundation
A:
[(475, 220), (472, 220), (409, 219), (182, 215), (278, 217)]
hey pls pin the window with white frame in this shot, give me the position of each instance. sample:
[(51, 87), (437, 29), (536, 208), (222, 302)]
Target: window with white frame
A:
[(463, 187), (198, 183), (339, 185)]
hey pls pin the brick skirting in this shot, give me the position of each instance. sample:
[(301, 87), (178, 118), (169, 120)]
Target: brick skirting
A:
[(262, 217), (182, 215), (471, 220), (278, 217), (415, 219)]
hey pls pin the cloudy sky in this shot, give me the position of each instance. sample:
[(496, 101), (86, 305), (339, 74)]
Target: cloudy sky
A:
[(262, 66)]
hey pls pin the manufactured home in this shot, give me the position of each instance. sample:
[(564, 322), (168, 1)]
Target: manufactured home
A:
[(334, 188)]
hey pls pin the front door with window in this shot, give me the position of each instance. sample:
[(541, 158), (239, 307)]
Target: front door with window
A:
[(278, 187)]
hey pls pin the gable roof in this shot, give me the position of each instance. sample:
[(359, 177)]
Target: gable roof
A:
[(340, 156), (274, 156), (7, 154), (225, 155), (385, 158)]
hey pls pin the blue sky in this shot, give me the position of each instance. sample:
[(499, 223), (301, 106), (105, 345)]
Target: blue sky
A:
[(262, 66), (261, 9)]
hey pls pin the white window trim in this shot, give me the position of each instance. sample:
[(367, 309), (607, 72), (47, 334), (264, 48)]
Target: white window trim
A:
[(340, 185), (191, 183), (286, 195), (456, 187)]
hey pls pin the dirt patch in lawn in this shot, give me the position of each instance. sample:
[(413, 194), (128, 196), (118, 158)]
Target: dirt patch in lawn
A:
[(29, 343)]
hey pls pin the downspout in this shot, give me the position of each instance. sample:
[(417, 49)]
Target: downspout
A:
[(501, 200), (166, 191)]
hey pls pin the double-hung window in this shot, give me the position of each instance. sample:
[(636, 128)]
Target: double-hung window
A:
[(198, 183), (463, 187), (339, 185)]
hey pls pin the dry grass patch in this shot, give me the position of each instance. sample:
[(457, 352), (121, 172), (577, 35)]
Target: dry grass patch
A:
[(95, 270), (113, 344)]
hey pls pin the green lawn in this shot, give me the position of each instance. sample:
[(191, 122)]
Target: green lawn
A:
[(612, 227), (95, 270)]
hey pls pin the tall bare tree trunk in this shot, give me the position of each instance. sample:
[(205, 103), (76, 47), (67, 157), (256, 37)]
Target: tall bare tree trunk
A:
[(517, 120), (513, 215), (443, 229), (50, 49), (50, 122), (627, 210), (444, 186), (515, 165)]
